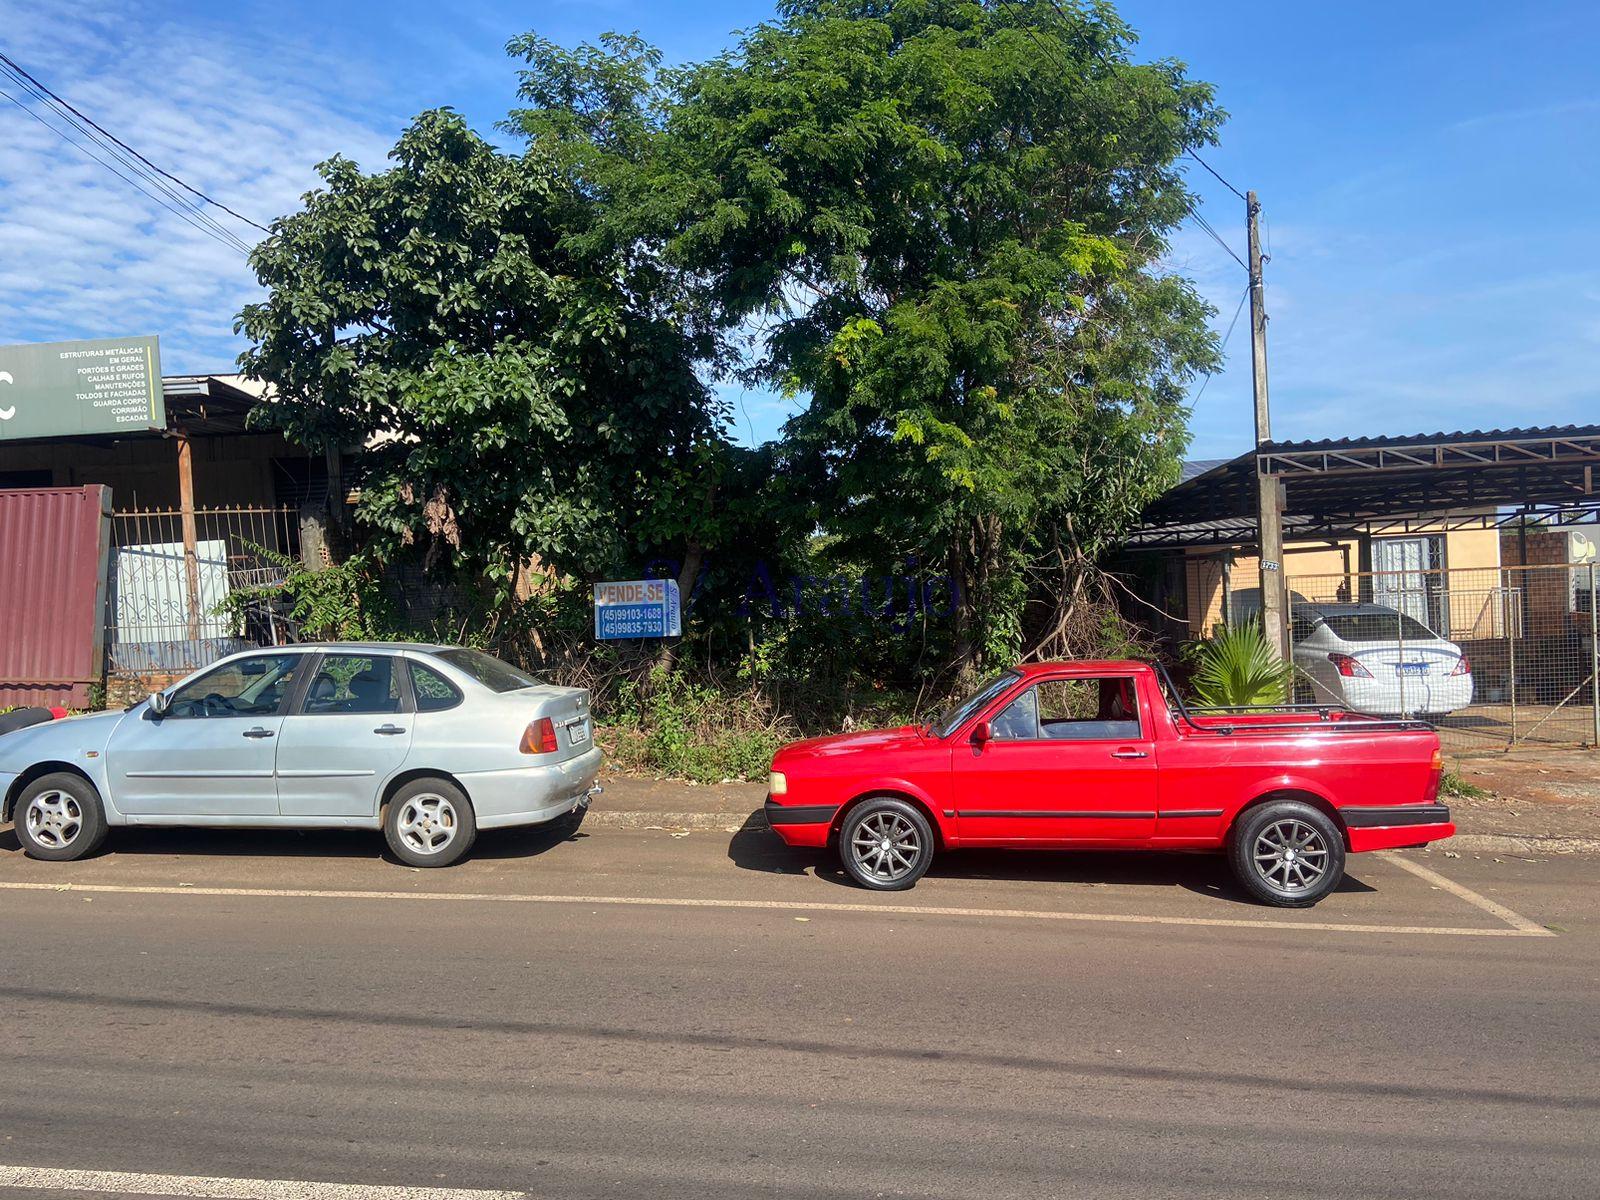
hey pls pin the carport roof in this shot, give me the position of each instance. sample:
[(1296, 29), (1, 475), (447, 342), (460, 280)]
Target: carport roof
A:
[(1337, 486)]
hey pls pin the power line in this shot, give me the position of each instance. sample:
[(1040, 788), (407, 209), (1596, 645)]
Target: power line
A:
[(1214, 174), (1237, 310), (178, 210), (114, 144)]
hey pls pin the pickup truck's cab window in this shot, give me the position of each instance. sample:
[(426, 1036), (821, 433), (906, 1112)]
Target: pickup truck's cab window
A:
[(350, 683), (1071, 710), (250, 687)]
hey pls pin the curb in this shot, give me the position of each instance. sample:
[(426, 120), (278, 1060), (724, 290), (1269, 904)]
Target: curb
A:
[(1498, 843)]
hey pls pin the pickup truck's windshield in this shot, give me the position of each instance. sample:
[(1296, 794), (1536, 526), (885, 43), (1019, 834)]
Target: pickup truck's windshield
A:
[(957, 713)]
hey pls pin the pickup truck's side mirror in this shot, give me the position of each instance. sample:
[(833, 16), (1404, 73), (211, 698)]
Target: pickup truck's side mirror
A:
[(159, 703), (981, 733)]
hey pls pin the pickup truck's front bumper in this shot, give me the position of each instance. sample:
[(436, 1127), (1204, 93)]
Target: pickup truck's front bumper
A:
[(1384, 827), (801, 824)]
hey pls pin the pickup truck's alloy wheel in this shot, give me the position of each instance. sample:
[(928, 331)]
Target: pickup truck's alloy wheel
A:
[(429, 823), (886, 844), (1287, 853), (59, 818)]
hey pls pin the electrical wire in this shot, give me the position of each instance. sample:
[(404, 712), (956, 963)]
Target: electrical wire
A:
[(182, 212), (126, 163), (1239, 308)]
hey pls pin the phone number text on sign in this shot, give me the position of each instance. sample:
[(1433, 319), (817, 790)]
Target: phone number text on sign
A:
[(637, 608)]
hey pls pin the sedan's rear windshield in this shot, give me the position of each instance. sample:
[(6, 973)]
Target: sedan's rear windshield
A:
[(488, 670), (1379, 627)]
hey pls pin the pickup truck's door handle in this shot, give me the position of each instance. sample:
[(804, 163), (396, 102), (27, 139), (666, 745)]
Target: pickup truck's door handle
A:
[(389, 730), (257, 732), (1129, 753)]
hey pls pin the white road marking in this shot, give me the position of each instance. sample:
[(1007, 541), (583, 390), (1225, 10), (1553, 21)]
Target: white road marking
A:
[(1516, 920), (774, 906), (127, 1183)]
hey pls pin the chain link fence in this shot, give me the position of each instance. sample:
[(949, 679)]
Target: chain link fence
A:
[(1496, 657)]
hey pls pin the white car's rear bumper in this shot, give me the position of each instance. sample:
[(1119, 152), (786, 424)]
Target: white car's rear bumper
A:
[(531, 795), (1420, 696)]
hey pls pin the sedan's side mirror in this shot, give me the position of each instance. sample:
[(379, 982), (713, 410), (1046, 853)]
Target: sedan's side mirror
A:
[(981, 733), (159, 703)]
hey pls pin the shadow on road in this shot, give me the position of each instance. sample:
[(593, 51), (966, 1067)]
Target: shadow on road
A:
[(527, 842), (756, 848)]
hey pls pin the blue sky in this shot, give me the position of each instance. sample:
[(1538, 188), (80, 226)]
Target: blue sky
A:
[(1428, 171)]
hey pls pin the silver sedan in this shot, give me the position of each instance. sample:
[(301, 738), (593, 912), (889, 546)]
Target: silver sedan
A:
[(428, 743)]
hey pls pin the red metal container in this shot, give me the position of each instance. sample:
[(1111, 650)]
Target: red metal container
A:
[(54, 557)]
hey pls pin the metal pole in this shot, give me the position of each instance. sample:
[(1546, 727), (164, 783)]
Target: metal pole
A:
[(1594, 653), (1516, 632), (191, 552), (1269, 492)]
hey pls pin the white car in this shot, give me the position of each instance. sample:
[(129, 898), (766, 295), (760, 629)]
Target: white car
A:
[(1376, 659), (428, 743)]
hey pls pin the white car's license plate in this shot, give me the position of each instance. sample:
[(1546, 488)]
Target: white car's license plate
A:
[(578, 732), (1417, 668)]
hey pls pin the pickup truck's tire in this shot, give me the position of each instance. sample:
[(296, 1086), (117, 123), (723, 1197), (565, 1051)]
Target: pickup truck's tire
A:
[(886, 844), (59, 818), (1287, 853), (429, 823)]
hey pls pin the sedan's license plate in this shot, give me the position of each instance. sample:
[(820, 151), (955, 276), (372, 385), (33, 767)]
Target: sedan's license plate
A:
[(578, 732), (1418, 668)]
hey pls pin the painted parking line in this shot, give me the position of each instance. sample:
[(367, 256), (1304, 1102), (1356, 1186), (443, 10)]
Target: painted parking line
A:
[(1494, 909), (217, 1188), (1526, 929)]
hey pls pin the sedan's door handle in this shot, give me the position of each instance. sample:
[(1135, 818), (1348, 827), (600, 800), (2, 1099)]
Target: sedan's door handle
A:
[(257, 732), (1128, 753), (389, 730)]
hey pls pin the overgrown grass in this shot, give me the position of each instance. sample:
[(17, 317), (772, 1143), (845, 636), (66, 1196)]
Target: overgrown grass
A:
[(1453, 784), (684, 729)]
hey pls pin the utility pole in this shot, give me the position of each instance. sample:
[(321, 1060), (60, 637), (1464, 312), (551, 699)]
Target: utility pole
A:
[(1269, 492)]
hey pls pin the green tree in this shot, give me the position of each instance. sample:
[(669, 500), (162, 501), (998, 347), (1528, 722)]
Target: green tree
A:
[(517, 392), (943, 224)]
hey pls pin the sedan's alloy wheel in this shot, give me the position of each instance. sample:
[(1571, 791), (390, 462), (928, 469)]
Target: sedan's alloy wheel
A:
[(54, 819), (885, 845), (428, 823)]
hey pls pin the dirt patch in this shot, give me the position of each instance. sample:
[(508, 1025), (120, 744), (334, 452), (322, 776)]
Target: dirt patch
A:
[(1547, 794)]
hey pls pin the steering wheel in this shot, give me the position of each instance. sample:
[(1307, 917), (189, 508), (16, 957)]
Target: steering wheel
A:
[(217, 703)]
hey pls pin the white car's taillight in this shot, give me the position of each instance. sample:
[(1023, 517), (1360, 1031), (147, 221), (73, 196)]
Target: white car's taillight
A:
[(1349, 667), (1463, 666)]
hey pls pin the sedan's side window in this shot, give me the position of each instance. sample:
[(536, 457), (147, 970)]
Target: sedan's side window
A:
[(258, 686), (433, 691), (354, 683)]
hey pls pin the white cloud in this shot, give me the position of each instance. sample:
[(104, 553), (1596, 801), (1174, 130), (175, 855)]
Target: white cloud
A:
[(237, 114)]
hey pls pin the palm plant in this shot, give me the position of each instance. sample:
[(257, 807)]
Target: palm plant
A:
[(1238, 668)]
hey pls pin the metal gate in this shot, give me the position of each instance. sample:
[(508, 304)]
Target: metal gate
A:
[(174, 580), (1394, 640)]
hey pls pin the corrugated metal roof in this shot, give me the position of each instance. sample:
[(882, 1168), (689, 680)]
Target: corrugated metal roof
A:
[(1534, 433), (54, 544)]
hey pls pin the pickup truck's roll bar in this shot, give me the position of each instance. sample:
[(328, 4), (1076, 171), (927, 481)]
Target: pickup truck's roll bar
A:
[(1324, 719)]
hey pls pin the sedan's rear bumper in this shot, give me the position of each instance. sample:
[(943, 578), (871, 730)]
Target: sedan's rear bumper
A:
[(531, 795)]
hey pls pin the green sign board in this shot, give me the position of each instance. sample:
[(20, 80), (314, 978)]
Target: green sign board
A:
[(71, 389)]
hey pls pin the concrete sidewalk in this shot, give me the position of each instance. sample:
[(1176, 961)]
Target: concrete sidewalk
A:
[(1530, 809)]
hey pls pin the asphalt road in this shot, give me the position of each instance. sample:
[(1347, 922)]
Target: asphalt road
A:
[(1096, 1026)]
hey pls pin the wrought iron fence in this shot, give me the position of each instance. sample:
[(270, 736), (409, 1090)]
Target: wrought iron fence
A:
[(181, 586), (1496, 657)]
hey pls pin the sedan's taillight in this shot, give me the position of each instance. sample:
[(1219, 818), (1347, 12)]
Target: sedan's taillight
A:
[(1463, 666), (539, 737), (1349, 667)]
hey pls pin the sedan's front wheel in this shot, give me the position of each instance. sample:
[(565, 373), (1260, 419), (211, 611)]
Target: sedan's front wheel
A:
[(886, 844), (59, 817), (430, 823)]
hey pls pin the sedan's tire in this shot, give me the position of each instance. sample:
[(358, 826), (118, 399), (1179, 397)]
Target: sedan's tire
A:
[(886, 844), (1287, 853), (59, 818), (429, 823)]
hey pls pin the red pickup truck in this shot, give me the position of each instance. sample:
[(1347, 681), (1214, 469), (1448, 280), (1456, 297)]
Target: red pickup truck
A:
[(1106, 756)]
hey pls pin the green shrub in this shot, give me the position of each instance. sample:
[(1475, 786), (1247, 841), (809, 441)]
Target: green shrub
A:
[(1238, 668)]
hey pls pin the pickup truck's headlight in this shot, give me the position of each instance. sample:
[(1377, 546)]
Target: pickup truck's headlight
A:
[(777, 785)]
